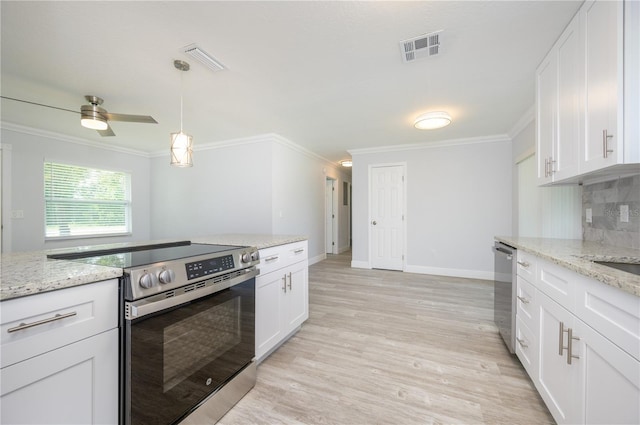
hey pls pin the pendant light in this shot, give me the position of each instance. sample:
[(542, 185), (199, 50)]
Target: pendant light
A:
[(181, 143)]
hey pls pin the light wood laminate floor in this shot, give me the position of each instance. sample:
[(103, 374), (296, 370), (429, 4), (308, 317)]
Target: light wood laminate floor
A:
[(384, 347)]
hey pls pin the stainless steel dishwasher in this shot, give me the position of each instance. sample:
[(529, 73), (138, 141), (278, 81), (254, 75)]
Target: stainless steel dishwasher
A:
[(504, 291)]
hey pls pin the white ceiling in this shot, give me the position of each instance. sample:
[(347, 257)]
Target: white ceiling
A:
[(325, 75)]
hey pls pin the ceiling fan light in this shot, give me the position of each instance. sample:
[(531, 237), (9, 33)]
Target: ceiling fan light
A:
[(432, 120), (94, 123), (91, 116), (181, 150)]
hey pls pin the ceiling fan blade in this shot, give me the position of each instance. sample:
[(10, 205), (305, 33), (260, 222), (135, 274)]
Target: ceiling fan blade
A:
[(130, 118), (107, 132), (39, 104)]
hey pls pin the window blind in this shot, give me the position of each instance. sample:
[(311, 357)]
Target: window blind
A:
[(84, 202)]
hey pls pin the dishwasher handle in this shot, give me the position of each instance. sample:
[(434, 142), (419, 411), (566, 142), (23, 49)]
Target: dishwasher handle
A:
[(501, 250)]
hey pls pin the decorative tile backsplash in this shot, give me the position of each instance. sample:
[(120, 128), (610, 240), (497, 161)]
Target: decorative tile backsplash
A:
[(605, 200)]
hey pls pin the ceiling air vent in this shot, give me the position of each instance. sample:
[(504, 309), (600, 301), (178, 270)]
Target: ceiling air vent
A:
[(203, 57), (423, 46)]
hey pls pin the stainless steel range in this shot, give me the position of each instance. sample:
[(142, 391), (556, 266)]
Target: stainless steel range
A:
[(188, 326)]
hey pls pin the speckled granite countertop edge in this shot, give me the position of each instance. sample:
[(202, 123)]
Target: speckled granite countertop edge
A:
[(29, 273), (579, 256)]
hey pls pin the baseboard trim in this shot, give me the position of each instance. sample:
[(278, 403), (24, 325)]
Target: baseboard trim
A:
[(360, 264), (317, 259), (438, 271)]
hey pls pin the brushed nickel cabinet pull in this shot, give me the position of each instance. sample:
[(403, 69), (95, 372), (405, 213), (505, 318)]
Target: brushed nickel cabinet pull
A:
[(269, 259), (290, 281), (284, 283), (523, 299), (23, 326), (521, 342), (605, 143), (546, 167), (298, 251), (561, 339), (524, 264), (571, 338)]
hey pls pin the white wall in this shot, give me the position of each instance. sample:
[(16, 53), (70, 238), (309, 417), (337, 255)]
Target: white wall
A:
[(264, 184), (228, 190), (23, 186), (458, 199)]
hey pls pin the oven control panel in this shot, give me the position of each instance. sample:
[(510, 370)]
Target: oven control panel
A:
[(163, 276), (209, 266)]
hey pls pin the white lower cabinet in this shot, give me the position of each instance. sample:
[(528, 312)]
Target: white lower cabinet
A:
[(610, 380), (75, 384), (282, 295), (557, 381), (60, 357), (583, 365)]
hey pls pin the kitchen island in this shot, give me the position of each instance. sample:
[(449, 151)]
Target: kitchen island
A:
[(60, 324)]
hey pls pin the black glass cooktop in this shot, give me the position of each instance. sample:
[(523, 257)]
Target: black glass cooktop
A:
[(127, 257)]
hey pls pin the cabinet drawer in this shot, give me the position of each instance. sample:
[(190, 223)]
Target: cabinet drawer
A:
[(526, 265), (557, 282), (280, 256), (59, 318), (610, 311), (526, 347), (75, 384), (526, 308)]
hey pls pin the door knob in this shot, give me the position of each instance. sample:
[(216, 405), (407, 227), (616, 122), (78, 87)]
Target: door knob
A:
[(374, 222)]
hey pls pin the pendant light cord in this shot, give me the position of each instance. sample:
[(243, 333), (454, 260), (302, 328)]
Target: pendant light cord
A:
[(181, 95)]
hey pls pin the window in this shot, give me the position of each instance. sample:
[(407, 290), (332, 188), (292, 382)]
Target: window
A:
[(83, 202)]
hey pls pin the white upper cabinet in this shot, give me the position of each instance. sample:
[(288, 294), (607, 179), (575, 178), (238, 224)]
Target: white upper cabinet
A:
[(588, 96), (604, 141), (546, 115), (570, 102), (559, 80)]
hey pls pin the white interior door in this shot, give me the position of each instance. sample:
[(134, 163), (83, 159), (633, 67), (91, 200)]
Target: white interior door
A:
[(387, 217), (329, 216)]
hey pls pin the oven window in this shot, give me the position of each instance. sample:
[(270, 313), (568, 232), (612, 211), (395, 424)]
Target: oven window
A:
[(178, 357), (200, 339)]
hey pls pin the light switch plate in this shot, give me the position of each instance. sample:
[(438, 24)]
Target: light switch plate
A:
[(589, 214), (624, 213)]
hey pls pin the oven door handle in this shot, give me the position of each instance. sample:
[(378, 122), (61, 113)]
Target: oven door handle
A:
[(140, 308)]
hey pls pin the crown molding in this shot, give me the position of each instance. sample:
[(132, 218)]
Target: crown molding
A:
[(523, 122), (66, 138), (431, 145), (261, 138)]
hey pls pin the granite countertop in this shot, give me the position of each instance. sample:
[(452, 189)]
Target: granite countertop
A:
[(579, 256), (29, 273), (260, 241)]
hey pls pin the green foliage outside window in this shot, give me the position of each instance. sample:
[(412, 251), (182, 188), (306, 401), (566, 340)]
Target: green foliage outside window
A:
[(81, 201)]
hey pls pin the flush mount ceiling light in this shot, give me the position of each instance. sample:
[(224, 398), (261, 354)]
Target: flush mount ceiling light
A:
[(181, 143), (432, 120), (347, 163)]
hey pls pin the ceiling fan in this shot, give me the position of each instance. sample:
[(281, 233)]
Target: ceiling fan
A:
[(95, 117)]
